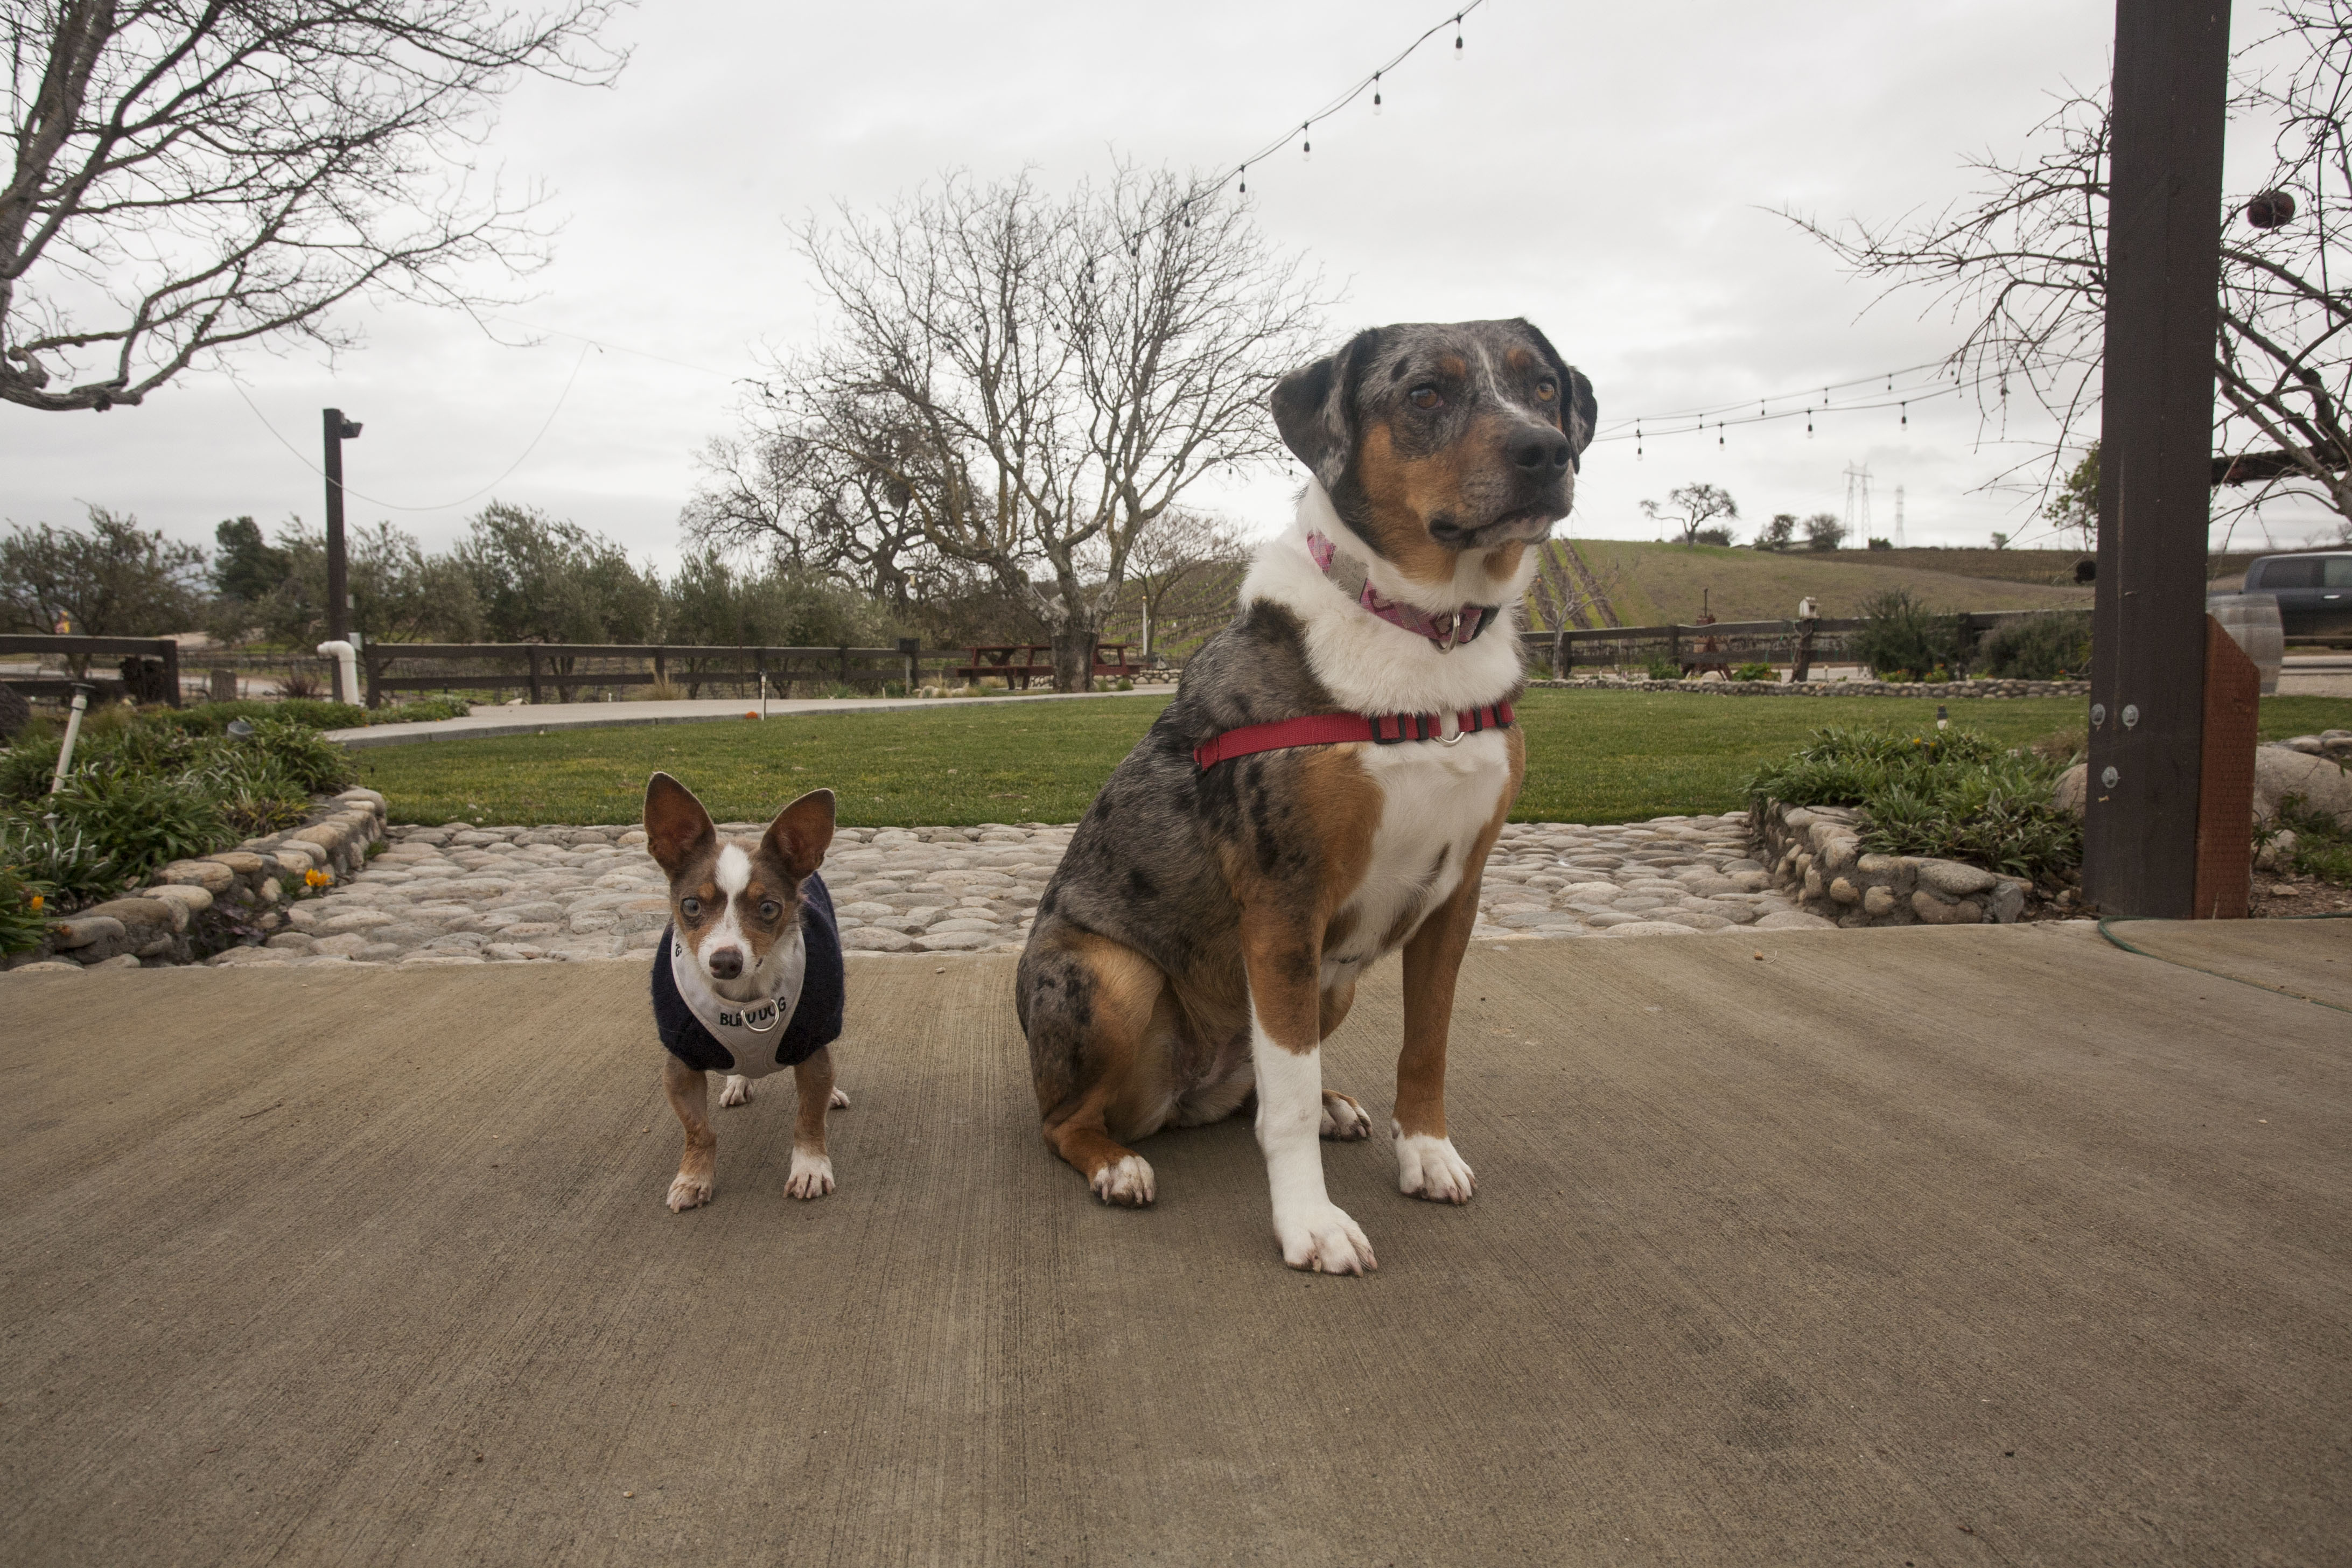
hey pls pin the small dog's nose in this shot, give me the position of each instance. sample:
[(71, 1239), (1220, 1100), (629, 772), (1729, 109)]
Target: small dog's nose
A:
[(727, 963), (1533, 448)]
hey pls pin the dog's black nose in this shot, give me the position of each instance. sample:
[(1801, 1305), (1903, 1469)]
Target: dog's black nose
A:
[(1534, 448), (727, 963)]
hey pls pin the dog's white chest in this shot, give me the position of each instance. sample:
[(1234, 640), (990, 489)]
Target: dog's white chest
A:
[(1436, 800)]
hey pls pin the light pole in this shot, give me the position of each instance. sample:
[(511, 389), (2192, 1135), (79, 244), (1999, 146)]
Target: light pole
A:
[(339, 592)]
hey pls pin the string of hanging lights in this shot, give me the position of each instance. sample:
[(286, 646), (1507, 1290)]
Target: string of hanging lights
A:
[(1372, 84), (1894, 389)]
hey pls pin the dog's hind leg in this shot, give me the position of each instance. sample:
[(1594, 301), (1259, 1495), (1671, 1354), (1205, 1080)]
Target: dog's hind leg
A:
[(812, 1175), (737, 1091), (1087, 1007), (689, 1095)]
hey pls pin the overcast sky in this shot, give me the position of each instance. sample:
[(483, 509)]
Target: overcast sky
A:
[(1611, 172)]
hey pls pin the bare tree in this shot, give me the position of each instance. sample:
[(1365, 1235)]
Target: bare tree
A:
[(2023, 263), (1689, 507), (1043, 378), (1184, 546), (801, 501), (189, 176)]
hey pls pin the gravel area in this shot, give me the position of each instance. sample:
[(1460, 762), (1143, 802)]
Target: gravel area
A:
[(461, 894)]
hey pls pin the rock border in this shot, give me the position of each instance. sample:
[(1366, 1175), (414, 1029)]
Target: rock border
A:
[(242, 893), (1942, 689), (1815, 853)]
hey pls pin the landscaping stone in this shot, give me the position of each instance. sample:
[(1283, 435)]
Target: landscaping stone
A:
[(1814, 852)]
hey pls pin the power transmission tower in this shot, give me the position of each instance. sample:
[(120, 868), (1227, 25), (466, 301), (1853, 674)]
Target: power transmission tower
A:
[(1857, 502)]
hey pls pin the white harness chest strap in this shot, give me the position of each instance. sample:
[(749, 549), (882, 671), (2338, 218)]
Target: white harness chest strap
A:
[(750, 1030)]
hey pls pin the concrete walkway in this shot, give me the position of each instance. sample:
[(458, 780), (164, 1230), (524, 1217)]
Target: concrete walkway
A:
[(2010, 1247), (529, 719)]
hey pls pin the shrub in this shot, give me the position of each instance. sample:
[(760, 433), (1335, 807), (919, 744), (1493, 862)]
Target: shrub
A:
[(308, 758), (24, 910), (64, 860), (2323, 849), (143, 822), (214, 717), (1902, 639), (1945, 793), (1663, 670), (2049, 646), (1755, 672)]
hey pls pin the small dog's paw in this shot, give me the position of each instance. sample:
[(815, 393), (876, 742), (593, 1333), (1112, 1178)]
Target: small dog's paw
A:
[(1322, 1238), (811, 1175), (1344, 1119), (1126, 1180), (688, 1193), (738, 1090), (840, 1100), (1429, 1168)]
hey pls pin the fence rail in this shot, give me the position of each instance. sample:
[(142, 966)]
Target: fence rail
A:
[(1800, 644), (135, 679)]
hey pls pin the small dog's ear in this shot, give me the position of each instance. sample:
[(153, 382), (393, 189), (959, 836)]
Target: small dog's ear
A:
[(1580, 413), (1314, 406), (802, 831), (676, 827)]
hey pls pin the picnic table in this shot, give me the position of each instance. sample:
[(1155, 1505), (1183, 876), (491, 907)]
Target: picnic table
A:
[(1015, 663)]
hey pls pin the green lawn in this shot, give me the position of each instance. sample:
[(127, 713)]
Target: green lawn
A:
[(1592, 756)]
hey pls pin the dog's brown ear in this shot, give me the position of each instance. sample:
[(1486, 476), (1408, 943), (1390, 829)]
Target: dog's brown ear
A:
[(802, 831), (1314, 407), (677, 828), (1580, 412)]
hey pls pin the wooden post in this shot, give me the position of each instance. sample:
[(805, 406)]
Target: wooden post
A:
[(844, 666), (2225, 784), (2149, 640), (534, 675), (911, 651), (374, 667), (171, 672), (661, 668)]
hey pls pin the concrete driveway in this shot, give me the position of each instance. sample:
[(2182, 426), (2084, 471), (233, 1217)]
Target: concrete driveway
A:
[(1920, 1246)]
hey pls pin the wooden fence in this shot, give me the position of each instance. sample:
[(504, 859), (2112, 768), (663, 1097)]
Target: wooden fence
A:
[(1797, 643), (149, 667), (537, 669)]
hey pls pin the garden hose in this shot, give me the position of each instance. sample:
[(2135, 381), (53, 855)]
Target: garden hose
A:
[(2217, 974)]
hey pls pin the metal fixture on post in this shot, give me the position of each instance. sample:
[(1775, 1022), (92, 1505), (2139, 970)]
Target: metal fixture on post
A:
[(2148, 640), (338, 430)]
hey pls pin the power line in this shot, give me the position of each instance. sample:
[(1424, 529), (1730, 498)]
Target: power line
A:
[(1371, 83), (585, 349)]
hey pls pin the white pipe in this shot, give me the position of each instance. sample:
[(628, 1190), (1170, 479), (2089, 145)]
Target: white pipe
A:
[(73, 728), (347, 666)]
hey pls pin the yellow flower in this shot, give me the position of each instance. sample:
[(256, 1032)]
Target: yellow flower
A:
[(40, 903)]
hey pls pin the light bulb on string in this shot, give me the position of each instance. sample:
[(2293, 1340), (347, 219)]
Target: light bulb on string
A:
[(1244, 179), (1376, 92), (1809, 421), (1906, 415), (1457, 38), (1637, 440), (1306, 141)]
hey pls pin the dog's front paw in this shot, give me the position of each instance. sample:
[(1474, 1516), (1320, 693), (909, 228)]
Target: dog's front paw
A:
[(1344, 1119), (1126, 1180), (1324, 1239), (811, 1175), (840, 1100), (738, 1090), (1429, 1168), (688, 1193)]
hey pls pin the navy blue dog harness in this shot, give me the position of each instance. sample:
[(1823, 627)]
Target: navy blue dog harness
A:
[(815, 1021)]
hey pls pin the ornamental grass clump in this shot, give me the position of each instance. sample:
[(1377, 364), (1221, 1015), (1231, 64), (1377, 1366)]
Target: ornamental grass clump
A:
[(24, 910), (1945, 792)]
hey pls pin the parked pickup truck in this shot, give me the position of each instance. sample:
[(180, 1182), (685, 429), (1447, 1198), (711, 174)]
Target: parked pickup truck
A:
[(2313, 592)]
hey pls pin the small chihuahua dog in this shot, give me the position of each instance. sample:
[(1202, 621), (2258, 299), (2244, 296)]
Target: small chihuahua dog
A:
[(747, 978)]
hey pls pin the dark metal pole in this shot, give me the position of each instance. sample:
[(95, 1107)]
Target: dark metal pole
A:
[(2155, 451)]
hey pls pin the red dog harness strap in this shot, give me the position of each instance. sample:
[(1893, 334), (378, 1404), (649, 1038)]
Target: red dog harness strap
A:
[(1335, 728)]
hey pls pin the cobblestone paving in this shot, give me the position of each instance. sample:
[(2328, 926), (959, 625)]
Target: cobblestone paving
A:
[(472, 895)]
